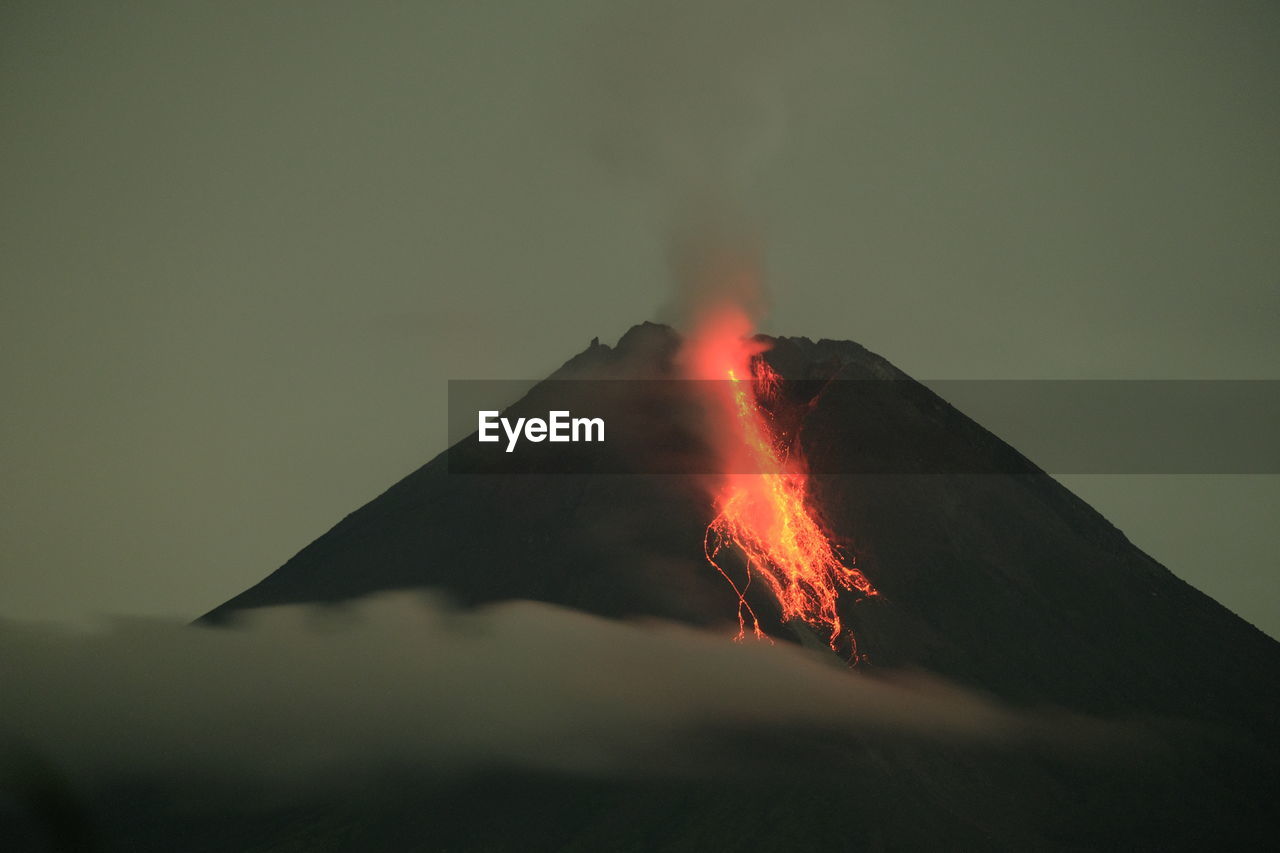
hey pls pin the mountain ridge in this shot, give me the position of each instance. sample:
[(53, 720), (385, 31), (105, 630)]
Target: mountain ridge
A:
[(1007, 584), (431, 520)]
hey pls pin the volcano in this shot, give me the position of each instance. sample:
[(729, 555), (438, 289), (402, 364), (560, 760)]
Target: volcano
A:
[(987, 572)]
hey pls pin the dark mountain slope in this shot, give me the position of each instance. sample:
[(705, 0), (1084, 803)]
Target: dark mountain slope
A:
[(1005, 582)]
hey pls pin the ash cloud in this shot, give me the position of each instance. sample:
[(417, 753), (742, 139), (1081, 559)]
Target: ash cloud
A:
[(300, 693), (689, 100)]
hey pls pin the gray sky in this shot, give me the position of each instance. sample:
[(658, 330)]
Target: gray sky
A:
[(245, 244)]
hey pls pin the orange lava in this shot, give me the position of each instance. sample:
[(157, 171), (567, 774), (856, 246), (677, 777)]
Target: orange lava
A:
[(766, 516)]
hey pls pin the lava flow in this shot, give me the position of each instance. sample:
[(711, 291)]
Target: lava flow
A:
[(765, 514)]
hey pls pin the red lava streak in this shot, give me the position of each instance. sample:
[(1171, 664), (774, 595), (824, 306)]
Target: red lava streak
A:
[(768, 515)]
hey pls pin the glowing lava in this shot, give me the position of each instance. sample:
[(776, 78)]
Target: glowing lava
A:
[(765, 514)]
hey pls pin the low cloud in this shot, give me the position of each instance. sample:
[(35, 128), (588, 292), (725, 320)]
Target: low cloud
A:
[(308, 692)]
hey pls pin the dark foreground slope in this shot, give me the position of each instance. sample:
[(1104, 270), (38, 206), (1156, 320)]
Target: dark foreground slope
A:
[(1006, 583)]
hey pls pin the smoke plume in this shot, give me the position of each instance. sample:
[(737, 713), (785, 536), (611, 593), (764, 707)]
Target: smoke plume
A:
[(689, 101)]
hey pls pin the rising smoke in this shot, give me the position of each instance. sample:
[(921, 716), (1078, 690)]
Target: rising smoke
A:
[(689, 101)]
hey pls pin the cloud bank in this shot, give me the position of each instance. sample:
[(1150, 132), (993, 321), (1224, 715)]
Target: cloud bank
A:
[(304, 692)]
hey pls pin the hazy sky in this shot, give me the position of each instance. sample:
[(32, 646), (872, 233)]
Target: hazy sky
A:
[(244, 244)]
